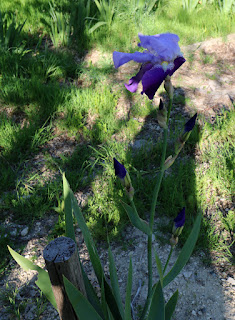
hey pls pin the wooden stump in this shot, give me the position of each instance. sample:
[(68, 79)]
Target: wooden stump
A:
[(61, 258)]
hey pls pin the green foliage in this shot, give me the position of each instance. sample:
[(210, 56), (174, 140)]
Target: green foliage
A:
[(82, 307), (226, 5), (189, 4), (60, 28), (43, 281), (9, 31), (170, 306), (136, 220), (106, 10), (185, 253), (157, 306)]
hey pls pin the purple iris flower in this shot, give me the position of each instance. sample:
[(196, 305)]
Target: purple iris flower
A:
[(180, 219), (190, 124), (161, 58), (120, 170)]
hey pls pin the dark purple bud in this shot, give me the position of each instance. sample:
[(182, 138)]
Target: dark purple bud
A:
[(180, 219), (190, 124), (161, 105), (120, 170)]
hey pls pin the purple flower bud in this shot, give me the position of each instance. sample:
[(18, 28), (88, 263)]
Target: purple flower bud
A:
[(190, 124), (161, 105), (180, 219), (120, 170)]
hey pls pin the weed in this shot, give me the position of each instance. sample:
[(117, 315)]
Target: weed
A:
[(206, 58), (60, 28), (106, 10), (9, 32)]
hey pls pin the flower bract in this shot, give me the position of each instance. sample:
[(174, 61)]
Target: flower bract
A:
[(161, 58)]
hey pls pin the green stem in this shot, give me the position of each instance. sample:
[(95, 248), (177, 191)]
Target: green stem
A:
[(152, 212), (168, 259)]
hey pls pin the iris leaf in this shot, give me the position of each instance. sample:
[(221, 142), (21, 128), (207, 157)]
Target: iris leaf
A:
[(170, 306), (43, 281), (81, 305), (157, 307), (128, 293), (114, 282), (136, 220)]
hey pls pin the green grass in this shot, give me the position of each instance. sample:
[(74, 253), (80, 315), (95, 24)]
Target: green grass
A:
[(49, 94)]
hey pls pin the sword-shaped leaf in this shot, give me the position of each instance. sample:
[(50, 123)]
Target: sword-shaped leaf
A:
[(170, 306), (157, 307), (43, 281), (136, 220), (114, 282), (69, 229), (81, 305), (128, 293), (159, 268)]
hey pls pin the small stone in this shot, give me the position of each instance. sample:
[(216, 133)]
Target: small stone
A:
[(187, 274), (24, 232), (231, 281), (194, 313), (199, 313), (13, 232)]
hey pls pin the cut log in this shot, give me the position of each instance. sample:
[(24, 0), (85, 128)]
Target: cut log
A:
[(61, 258)]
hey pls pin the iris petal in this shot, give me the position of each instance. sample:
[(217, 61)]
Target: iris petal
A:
[(165, 45), (152, 80), (120, 58)]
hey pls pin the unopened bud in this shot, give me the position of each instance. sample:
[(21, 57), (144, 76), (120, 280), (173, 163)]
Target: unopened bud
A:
[(168, 87), (130, 192), (173, 241), (162, 115), (169, 162)]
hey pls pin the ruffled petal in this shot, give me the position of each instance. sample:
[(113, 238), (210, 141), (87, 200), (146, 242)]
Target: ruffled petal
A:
[(164, 45), (120, 58)]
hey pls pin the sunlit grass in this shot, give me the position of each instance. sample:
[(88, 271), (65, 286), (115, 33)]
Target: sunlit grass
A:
[(48, 93)]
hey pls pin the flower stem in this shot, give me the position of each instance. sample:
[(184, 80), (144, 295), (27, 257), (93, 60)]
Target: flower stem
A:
[(152, 213), (168, 259)]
